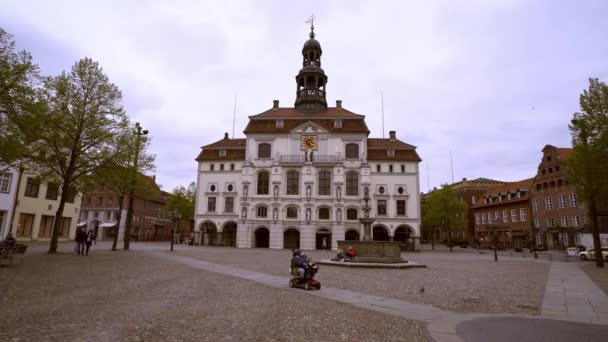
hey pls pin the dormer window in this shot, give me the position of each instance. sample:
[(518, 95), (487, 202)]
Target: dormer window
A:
[(391, 152), (518, 194), (337, 123), (279, 123), (222, 153)]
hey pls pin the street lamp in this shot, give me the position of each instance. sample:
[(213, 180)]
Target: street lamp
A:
[(177, 216), (139, 133)]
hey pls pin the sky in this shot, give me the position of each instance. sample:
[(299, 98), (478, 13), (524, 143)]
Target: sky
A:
[(480, 85)]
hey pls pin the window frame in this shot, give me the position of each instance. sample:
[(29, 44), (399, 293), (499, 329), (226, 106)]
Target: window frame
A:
[(211, 204), (381, 209), (32, 187), (229, 204), (262, 211), (291, 212), (349, 153), (6, 179), (293, 183), (403, 209), (52, 191), (262, 152), (261, 182), (324, 210), (324, 180), (352, 183), (351, 210)]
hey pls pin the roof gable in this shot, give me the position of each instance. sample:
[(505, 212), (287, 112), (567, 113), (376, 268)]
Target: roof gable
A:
[(309, 127)]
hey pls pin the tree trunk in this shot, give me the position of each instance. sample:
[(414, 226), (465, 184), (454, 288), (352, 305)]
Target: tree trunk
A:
[(599, 258), (118, 218), (129, 222), (58, 217)]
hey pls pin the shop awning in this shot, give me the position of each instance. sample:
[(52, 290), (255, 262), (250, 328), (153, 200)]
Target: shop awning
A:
[(107, 224)]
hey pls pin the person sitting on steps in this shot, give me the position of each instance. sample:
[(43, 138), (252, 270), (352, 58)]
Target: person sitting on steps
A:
[(350, 253)]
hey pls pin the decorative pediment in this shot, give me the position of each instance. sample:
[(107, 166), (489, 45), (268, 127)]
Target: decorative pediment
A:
[(309, 127)]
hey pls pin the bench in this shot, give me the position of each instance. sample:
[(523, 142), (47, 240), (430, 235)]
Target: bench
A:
[(13, 254)]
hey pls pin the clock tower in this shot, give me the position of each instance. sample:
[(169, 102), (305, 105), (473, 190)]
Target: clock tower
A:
[(311, 80)]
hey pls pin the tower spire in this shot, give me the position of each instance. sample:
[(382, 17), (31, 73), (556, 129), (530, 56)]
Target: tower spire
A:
[(311, 80)]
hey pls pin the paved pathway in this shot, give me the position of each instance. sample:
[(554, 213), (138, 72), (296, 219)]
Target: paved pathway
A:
[(570, 297)]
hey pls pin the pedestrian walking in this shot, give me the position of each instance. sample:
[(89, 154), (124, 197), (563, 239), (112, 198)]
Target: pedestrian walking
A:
[(81, 237), (89, 240)]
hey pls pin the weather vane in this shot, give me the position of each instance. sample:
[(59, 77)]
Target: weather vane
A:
[(311, 20)]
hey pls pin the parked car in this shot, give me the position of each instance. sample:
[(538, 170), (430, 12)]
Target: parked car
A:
[(588, 255)]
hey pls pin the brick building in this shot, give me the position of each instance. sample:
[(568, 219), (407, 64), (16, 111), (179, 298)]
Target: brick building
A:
[(100, 209), (505, 211), (471, 191), (558, 215)]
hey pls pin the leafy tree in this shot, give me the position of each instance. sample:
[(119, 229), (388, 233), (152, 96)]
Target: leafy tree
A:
[(588, 165), (182, 201), (78, 132), (443, 209), (19, 89), (118, 175)]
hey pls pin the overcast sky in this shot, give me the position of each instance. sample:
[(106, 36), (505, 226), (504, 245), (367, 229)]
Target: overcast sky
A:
[(490, 81)]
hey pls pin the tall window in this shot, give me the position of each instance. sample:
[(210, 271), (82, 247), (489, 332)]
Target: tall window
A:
[(401, 208), (402, 168), (293, 182), (561, 201), (381, 207), (351, 214), (323, 213), (535, 204), (522, 214), (5, 181), (575, 221), (264, 150), (513, 215), (505, 216), (26, 223), (573, 199), (378, 168), (324, 182), (71, 195), (497, 216), (292, 212), (483, 218), (46, 226), (64, 227), (537, 223), (550, 222), (477, 218), (52, 191), (352, 151), (31, 187), (564, 221), (211, 204), (390, 168), (548, 203), (352, 184), (99, 200), (229, 205), (262, 212), (263, 183), (108, 215)]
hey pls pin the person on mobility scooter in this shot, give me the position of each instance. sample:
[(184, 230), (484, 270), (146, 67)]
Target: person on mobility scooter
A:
[(303, 271)]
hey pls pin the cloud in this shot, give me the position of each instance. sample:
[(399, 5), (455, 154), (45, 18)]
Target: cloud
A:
[(457, 76)]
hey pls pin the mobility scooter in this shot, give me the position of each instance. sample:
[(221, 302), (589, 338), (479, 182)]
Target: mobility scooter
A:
[(306, 282)]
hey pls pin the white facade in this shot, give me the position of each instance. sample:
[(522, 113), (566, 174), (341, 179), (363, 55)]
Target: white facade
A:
[(9, 178), (388, 181)]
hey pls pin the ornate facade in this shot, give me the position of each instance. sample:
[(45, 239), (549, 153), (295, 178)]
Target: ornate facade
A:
[(298, 178)]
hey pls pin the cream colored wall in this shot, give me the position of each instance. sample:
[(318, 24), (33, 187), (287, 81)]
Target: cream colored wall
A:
[(41, 206)]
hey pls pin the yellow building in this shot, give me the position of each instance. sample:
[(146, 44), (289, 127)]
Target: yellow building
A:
[(36, 207)]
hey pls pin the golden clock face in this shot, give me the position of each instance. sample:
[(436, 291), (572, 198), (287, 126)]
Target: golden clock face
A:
[(309, 142)]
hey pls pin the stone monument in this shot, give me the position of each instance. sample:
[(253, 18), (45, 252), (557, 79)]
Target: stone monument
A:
[(369, 251)]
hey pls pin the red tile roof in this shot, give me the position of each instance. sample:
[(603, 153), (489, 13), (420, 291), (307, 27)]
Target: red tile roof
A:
[(513, 186), (227, 143), (269, 125), (380, 143), (214, 154), (287, 112)]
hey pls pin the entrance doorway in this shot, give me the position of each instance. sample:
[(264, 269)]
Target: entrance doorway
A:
[(323, 235), (352, 235), (262, 238), (291, 238), (380, 233)]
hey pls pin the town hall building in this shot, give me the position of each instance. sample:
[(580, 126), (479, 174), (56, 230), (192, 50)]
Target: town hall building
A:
[(299, 177)]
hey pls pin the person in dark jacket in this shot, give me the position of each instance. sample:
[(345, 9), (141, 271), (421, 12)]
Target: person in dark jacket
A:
[(89, 240), (300, 261), (81, 237), (9, 241)]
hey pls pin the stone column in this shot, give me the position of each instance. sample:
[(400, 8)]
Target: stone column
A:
[(276, 235), (337, 234)]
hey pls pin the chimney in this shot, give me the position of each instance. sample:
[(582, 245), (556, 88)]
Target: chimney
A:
[(275, 104), (226, 135), (338, 103), (392, 134)]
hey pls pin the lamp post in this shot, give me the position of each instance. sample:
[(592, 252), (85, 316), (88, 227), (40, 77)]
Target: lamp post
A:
[(139, 133), (177, 216), (494, 225)]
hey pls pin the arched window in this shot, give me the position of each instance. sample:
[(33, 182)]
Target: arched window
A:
[(352, 184), (293, 183), (263, 183), (351, 214), (292, 212), (262, 212), (264, 150), (352, 151), (324, 183), (323, 213)]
